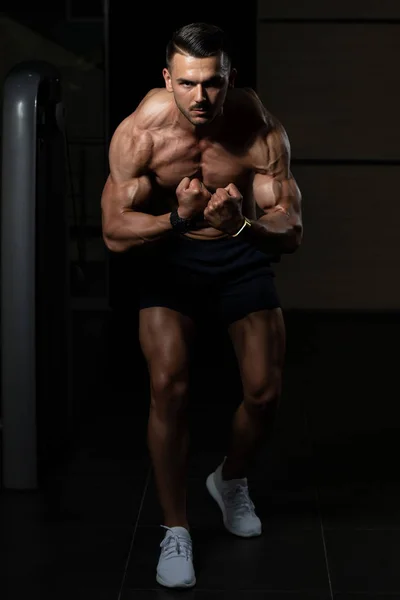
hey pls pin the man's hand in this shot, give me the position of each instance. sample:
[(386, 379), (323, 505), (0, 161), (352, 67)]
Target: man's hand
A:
[(224, 210), (193, 197)]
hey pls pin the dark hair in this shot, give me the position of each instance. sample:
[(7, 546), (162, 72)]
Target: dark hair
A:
[(200, 40)]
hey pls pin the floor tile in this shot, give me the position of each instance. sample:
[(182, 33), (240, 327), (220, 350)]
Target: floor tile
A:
[(102, 499), (40, 536), (222, 561), (364, 561), (281, 508), (358, 505), (368, 456), (366, 596), (195, 594), (40, 548), (66, 587)]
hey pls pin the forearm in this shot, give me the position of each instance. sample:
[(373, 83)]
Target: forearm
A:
[(276, 232), (133, 229)]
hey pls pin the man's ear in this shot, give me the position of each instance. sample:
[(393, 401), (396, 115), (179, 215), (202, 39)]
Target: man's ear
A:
[(232, 77), (167, 79)]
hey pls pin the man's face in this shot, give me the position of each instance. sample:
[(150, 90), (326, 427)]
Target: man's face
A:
[(199, 86)]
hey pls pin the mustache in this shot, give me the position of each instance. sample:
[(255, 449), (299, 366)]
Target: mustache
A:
[(200, 107)]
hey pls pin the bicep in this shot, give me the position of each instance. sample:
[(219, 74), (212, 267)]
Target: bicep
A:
[(125, 196), (271, 192)]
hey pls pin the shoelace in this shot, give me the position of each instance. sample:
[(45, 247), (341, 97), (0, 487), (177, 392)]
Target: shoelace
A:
[(176, 544), (237, 497)]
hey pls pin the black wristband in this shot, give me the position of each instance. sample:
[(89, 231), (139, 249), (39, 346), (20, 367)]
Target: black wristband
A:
[(181, 225)]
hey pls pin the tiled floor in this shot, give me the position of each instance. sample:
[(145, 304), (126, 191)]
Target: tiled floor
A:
[(327, 487)]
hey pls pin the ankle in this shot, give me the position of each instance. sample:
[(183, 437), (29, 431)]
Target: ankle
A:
[(177, 523)]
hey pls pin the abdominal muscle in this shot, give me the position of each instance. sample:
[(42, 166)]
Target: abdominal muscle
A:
[(208, 233)]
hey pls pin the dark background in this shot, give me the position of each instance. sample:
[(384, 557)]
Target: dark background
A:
[(327, 488)]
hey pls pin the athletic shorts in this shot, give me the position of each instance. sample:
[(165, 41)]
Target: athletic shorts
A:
[(224, 278)]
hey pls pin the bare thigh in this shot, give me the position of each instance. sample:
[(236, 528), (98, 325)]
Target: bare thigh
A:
[(259, 342), (166, 339)]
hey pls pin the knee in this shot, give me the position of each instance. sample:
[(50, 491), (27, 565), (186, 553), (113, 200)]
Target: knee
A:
[(169, 392), (262, 396)]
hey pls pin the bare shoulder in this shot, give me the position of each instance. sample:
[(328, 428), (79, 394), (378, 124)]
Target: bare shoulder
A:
[(131, 146), (130, 150), (154, 110), (144, 118)]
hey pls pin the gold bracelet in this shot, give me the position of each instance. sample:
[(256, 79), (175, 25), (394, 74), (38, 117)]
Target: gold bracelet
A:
[(246, 223)]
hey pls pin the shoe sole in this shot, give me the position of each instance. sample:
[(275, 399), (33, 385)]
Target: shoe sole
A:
[(214, 493), (182, 585)]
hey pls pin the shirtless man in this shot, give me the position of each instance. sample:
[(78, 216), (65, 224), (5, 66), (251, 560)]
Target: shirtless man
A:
[(200, 184)]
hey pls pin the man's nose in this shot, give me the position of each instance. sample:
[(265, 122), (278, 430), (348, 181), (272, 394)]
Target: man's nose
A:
[(200, 93)]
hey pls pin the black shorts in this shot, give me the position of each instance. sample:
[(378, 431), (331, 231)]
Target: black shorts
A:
[(225, 278)]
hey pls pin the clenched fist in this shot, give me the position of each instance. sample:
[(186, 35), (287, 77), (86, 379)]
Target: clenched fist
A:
[(224, 210), (193, 197)]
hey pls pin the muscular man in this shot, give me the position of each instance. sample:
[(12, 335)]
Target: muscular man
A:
[(200, 185)]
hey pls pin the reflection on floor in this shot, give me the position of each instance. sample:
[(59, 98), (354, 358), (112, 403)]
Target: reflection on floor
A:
[(327, 487)]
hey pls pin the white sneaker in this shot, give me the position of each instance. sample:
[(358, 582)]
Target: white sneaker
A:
[(232, 496), (175, 566)]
